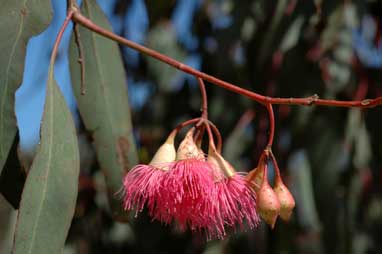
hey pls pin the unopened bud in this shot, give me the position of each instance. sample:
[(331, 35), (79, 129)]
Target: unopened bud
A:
[(286, 199), (255, 176), (219, 162), (188, 149), (267, 202), (165, 154)]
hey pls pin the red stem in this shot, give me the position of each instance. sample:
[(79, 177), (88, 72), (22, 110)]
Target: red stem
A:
[(183, 124), (203, 93), (199, 135), (368, 103), (217, 135), (271, 125), (210, 136), (276, 166), (69, 16)]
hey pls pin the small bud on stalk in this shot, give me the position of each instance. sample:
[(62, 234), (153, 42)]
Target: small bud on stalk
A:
[(286, 199), (267, 201)]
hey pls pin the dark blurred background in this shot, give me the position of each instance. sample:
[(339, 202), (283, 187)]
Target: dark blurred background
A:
[(331, 158)]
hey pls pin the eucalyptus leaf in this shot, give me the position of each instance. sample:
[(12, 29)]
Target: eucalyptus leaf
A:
[(162, 38), (292, 36), (19, 20), (7, 222), (353, 124), (239, 140), (49, 197), (105, 108), (266, 46), (357, 134), (302, 189), (363, 150), (214, 247)]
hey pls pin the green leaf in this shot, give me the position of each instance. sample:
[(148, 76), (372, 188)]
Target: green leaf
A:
[(49, 197), (162, 38), (12, 179), (19, 20), (301, 186), (104, 108), (238, 141), (293, 34), (214, 247), (7, 222)]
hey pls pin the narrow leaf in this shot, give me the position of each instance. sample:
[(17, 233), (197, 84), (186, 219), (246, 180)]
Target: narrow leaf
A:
[(50, 192), (104, 108), (12, 178), (302, 188), (19, 20)]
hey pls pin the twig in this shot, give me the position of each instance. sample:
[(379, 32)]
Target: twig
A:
[(271, 125), (183, 124), (218, 136), (275, 165), (312, 100), (203, 92), (59, 37)]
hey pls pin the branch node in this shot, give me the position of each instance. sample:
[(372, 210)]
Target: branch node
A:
[(267, 99), (366, 102), (72, 6), (312, 99)]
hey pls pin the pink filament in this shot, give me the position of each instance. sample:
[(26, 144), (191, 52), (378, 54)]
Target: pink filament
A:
[(142, 186), (191, 194), (237, 202)]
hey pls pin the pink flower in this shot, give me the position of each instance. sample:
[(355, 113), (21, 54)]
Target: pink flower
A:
[(143, 184), (237, 202), (205, 196), (190, 194), (191, 188)]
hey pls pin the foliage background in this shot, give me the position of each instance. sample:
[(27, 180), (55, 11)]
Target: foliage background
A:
[(331, 157)]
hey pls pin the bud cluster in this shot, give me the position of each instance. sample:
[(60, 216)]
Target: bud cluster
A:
[(203, 193), (271, 202)]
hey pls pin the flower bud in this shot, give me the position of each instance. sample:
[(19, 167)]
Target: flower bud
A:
[(267, 202), (286, 199), (255, 176), (188, 149), (219, 162), (165, 154)]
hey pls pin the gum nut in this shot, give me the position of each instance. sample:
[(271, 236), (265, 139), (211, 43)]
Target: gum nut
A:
[(268, 204), (287, 202), (255, 176)]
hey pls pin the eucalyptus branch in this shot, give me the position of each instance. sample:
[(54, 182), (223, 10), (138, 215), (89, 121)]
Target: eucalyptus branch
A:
[(59, 36), (308, 101)]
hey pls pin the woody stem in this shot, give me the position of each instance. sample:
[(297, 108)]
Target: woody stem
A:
[(308, 101), (203, 93), (271, 125)]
